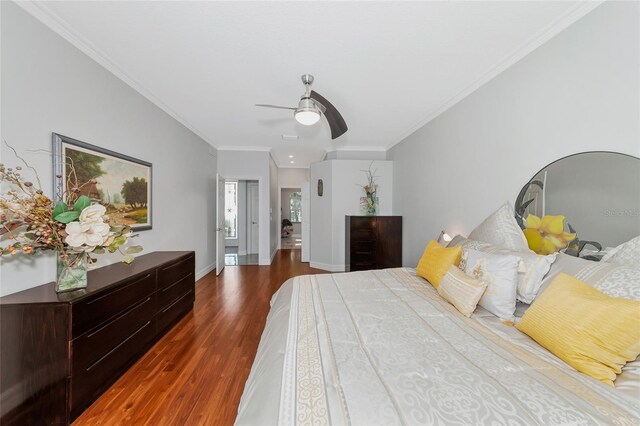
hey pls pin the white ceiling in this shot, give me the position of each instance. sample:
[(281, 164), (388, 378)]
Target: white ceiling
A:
[(389, 67)]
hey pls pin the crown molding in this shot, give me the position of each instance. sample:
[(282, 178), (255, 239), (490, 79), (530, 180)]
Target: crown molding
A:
[(42, 13), (537, 40), (244, 148), (356, 149)]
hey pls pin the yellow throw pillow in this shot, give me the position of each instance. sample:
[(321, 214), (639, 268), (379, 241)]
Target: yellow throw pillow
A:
[(461, 290), (594, 333), (436, 261)]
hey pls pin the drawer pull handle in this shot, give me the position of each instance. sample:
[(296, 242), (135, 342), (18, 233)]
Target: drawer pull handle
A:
[(119, 289), (118, 317), (177, 282), (117, 346), (177, 263), (176, 302)]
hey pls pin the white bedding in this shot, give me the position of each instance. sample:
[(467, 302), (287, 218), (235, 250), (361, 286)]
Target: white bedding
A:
[(382, 347)]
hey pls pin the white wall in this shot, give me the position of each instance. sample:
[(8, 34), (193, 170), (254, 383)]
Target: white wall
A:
[(578, 92), (292, 178), (342, 197), (50, 86), (253, 165)]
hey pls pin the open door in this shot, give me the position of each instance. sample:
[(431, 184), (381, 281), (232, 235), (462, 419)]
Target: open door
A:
[(253, 217), (220, 243)]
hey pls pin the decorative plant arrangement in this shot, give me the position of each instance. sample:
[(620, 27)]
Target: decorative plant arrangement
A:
[(369, 203), (74, 227), (546, 235)]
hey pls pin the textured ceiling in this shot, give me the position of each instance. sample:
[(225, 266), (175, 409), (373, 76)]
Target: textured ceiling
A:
[(389, 67)]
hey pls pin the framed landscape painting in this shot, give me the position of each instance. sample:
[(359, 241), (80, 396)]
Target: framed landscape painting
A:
[(120, 183)]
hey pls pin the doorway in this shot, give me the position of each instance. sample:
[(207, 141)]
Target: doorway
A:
[(291, 222), (241, 224)]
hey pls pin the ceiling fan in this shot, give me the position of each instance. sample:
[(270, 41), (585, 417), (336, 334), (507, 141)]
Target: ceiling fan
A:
[(311, 106)]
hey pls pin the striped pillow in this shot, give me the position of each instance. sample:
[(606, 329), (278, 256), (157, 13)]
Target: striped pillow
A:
[(461, 290)]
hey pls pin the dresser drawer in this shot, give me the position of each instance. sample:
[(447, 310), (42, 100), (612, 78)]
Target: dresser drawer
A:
[(363, 261), (363, 247), (90, 347), (90, 382), (173, 292), (168, 316), (363, 222), (92, 312), (171, 273), (364, 235)]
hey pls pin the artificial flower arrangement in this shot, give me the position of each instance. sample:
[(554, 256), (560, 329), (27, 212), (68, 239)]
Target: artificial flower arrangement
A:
[(74, 227), (546, 235), (369, 201)]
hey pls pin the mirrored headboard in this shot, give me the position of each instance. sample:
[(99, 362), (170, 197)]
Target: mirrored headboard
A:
[(598, 193)]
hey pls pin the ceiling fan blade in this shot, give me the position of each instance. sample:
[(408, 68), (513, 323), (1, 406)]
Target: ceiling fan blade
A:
[(336, 123), (275, 106), (319, 105)]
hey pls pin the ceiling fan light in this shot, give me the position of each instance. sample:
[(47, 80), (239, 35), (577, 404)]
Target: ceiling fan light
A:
[(307, 116)]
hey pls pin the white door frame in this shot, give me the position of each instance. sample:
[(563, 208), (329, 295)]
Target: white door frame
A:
[(220, 246), (249, 214), (261, 211)]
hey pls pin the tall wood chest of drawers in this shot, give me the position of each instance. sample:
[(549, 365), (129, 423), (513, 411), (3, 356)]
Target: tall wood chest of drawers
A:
[(60, 352), (373, 242)]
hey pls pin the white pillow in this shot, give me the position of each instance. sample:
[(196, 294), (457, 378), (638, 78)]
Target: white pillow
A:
[(625, 254), (532, 269), (456, 241), (500, 272), (610, 278), (502, 230)]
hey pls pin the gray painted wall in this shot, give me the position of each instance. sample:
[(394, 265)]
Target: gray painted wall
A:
[(578, 92), (50, 86)]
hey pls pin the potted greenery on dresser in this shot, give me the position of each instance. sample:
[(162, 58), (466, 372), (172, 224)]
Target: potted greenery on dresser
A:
[(74, 227)]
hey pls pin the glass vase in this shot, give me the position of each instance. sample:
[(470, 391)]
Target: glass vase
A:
[(72, 272), (369, 205)]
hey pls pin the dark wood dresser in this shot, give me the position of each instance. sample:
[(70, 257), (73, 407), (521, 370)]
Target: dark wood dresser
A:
[(60, 352), (373, 242)]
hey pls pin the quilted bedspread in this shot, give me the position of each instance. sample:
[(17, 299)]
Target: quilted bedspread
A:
[(382, 347)]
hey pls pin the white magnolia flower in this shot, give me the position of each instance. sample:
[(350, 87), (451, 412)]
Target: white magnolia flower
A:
[(85, 236), (107, 241), (93, 213)]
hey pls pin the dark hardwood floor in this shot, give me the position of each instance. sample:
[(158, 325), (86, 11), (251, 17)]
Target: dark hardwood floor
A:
[(195, 375)]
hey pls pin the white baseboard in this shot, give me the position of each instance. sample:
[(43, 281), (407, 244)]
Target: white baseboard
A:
[(270, 260), (328, 267), (205, 271)]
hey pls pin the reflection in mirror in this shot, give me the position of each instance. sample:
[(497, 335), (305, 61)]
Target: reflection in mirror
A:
[(582, 204)]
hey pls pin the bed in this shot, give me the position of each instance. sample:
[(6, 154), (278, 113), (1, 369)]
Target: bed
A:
[(382, 347)]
